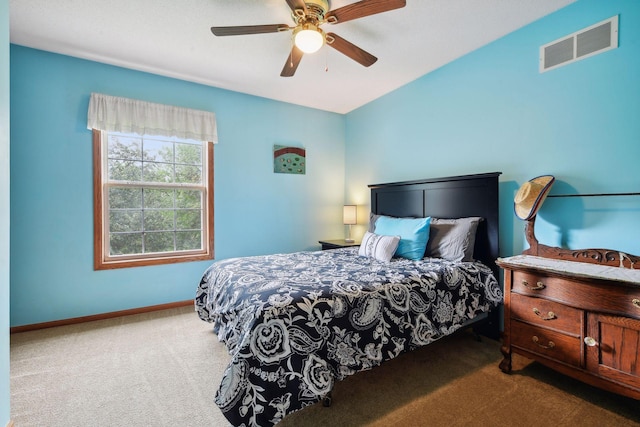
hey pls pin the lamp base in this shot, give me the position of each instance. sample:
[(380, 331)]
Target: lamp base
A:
[(349, 239)]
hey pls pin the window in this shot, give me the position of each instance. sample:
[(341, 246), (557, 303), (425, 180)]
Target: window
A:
[(153, 200), (153, 195)]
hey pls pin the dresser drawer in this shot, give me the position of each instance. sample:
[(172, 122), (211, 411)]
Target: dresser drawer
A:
[(547, 313), (586, 295), (540, 285), (545, 342)]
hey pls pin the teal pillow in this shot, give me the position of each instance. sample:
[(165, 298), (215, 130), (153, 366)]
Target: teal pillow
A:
[(413, 232)]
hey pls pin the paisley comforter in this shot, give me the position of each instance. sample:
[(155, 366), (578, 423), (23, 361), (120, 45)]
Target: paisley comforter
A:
[(296, 323)]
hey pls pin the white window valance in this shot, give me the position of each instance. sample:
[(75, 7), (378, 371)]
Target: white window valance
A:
[(116, 114)]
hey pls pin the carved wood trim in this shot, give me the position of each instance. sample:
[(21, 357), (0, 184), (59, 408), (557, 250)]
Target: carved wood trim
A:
[(608, 257)]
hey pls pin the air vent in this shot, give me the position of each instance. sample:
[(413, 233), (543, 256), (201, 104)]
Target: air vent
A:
[(587, 42)]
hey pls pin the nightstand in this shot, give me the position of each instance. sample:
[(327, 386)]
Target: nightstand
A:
[(336, 244)]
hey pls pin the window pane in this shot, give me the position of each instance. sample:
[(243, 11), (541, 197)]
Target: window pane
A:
[(188, 219), (159, 242), (122, 198), (125, 220), (155, 198), (188, 199), (156, 220), (125, 170), (156, 150), (188, 174), (189, 154), (124, 147), (188, 240), (158, 172), (126, 243)]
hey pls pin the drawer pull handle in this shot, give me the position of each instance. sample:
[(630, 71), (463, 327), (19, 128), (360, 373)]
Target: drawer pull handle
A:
[(536, 340), (636, 302), (591, 342), (537, 287), (550, 315)]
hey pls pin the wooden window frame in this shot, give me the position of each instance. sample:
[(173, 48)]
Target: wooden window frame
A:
[(102, 260)]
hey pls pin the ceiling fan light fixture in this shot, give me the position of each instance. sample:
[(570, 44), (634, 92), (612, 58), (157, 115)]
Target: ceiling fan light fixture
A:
[(308, 38)]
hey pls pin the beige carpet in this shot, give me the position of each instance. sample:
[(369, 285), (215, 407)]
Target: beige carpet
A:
[(163, 368)]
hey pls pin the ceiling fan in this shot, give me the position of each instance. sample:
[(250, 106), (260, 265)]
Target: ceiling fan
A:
[(308, 37)]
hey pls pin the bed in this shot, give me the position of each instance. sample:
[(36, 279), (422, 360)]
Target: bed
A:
[(294, 324)]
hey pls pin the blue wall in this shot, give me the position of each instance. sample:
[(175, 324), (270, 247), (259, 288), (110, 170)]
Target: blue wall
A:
[(256, 211), (488, 111), (493, 111), (4, 212)]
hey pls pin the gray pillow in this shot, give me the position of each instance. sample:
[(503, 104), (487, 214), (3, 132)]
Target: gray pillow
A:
[(372, 222), (452, 239), (379, 247)]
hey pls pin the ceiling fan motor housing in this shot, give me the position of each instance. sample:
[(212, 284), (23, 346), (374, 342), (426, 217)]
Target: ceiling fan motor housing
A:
[(316, 10)]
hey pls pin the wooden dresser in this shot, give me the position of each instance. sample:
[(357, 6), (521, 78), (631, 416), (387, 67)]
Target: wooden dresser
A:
[(575, 311)]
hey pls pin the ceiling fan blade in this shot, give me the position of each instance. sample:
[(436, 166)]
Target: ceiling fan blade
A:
[(350, 50), (297, 4), (363, 8), (248, 29), (293, 60)]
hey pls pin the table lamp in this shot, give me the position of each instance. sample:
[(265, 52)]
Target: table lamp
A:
[(349, 217)]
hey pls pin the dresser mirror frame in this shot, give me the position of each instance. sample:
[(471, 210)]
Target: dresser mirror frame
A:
[(608, 257)]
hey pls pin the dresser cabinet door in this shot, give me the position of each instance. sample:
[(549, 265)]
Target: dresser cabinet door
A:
[(613, 346)]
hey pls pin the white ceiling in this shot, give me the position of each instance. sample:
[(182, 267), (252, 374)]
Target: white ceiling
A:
[(173, 38)]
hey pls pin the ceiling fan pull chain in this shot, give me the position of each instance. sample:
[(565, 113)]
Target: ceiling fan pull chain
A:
[(326, 60), (293, 43)]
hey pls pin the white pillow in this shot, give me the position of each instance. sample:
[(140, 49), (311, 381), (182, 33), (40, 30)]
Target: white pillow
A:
[(379, 247)]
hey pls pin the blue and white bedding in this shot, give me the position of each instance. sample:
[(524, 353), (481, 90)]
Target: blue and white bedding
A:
[(294, 324)]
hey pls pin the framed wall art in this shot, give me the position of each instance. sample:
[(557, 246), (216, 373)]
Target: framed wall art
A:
[(289, 160)]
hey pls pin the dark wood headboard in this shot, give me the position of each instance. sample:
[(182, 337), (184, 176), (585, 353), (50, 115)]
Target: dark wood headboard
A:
[(450, 197)]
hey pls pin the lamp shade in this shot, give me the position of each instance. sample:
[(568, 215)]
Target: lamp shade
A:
[(308, 38), (349, 214)]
